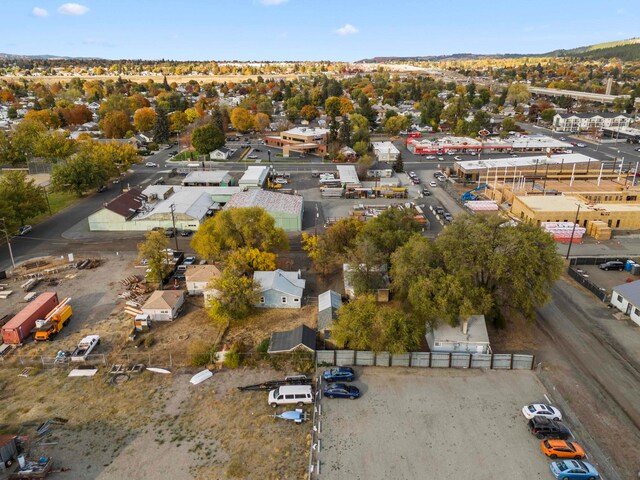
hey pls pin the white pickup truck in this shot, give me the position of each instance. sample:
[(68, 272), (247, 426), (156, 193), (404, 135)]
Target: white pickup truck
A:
[(84, 348)]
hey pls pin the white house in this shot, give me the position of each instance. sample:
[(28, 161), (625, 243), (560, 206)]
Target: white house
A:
[(386, 151), (581, 122), (198, 278), (469, 337), (222, 153), (164, 305), (279, 289), (626, 298)]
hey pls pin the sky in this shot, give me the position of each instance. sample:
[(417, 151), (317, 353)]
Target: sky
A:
[(339, 30)]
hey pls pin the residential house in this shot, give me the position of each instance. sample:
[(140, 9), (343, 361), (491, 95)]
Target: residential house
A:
[(279, 289), (199, 278), (469, 337), (626, 298), (222, 153), (300, 338), (164, 305)]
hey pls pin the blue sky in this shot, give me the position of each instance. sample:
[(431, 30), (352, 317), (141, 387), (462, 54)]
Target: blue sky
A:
[(308, 29)]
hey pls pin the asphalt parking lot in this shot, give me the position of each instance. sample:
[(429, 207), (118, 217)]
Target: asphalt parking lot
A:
[(606, 279), (435, 424)]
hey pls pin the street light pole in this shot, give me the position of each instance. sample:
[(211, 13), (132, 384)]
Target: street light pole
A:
[(573, 231), (6, 234), (173, 219)]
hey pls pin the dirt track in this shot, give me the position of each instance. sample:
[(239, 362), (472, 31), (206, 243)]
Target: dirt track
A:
[(598, 378)]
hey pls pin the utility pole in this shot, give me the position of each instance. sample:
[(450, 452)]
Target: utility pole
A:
[(173, 219), (6, 234), (46, 197), (573, 231)]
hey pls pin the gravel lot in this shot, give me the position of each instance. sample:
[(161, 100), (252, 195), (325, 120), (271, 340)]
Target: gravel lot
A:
[(452, 424)]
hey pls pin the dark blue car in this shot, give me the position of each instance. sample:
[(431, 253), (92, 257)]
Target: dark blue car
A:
[(338, 374), (341, 390)]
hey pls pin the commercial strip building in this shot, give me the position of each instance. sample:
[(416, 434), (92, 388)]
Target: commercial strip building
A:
[(538, 166), (593, 121), (622, 133), (462, 145), (160, 206), (287, 210), (208, 178), (302, 140)]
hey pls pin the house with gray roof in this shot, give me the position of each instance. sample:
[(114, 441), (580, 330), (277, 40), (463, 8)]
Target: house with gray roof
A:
[(279, 289), (328, 304), (300, 338), (626, 298)]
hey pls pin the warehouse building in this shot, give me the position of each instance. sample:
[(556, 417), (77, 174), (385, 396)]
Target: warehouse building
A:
[(255, 177), (210, 178), (287, 210)]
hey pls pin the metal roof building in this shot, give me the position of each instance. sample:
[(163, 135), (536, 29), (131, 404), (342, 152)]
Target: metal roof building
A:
[(254, 177), (300, 338), (286, 209)]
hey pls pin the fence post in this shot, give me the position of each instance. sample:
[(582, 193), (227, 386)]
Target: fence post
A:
[(449, 359), (470, 357), (491, 364), (511, 362), (430, 356), (410, 357), (533, 361)]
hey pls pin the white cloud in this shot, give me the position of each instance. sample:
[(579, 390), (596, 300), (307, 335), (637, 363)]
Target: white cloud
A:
[(273, 2), (72, 9), (39, 12), (348, 29)]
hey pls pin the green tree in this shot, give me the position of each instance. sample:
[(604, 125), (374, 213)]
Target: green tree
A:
[(367, 266), (153, 249), (409, 262), (332, 107), (509, 125), (361, 148), (207, 138), (518, 93), (391, 229), (237, 295), (54, 146), (79, 173), (21, 198), (548, 114), (237, 228), (359, 128), (395, 124), (344, 134), (354, 327), (292, 114), (161, 132)]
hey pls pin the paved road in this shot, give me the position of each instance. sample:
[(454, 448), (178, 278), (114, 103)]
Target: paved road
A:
[(590, 359)]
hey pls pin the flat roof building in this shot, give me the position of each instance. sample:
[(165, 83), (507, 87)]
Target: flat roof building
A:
[(302, 140), (254, 177), (348, 175), (209, 178)]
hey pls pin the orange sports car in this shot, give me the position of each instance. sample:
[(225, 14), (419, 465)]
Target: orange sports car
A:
[(561, 449)]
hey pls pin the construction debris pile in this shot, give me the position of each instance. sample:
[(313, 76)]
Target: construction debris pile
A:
[(134, 294)]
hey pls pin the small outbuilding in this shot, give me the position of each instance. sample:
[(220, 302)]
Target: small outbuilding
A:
[(164, 305), (208, 178), (300, 338), (222, 153), (626, 298), (328, 304), (469, 337), (279, 289)]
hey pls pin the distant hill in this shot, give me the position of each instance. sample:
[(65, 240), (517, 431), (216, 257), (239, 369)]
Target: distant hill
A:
[(11, 56), (623, 49)]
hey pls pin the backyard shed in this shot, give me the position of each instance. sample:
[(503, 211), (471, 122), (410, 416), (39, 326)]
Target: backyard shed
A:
[(328, 304), (300, 338), (468, 337)]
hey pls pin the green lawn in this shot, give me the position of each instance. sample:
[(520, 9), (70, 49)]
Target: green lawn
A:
[(58, 201)]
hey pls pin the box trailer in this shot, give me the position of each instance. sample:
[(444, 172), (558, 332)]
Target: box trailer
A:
[(21, 325)]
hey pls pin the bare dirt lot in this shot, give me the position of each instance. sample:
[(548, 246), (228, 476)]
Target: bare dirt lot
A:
[(156, 426), (452, 424)]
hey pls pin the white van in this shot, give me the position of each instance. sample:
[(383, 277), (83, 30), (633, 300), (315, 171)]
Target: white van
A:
[(288, 394)]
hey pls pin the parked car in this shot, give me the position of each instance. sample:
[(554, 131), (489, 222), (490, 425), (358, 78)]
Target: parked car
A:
[(543, 427), (102, 188), (425, 191), (573, 469), (189, 260), (252, 157), (581, 145), (341, 390), (457, 158), (439, 211), (415, 181), (25, 229), (151, 164), (339, 373), (448, 217), (561, 449), (430, 157), (173, 152), (433, 184), (412, 174), (170, 232), (542, 410), (186, 233), (612, 265), (562, 138)]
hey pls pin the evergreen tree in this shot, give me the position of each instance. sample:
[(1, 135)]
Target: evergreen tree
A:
[(161, 128), (345, 132), (165, 84), (333, 131)]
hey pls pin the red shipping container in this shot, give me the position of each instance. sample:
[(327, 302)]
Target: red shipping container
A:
[(20, 326)]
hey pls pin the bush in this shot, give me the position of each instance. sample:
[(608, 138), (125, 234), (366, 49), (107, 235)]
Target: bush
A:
[(152, 147), (263, 348), (201, 353), (233, 357), (149, 341)]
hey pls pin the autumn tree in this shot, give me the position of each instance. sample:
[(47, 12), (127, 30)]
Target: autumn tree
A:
[(237, 295), (261, 121), (309, 113), (144, 119), (115, 124), (346, 107), (153, 249), (54, 145), (329, 251), (207, 138), (518, 93), (48, 118), (248, 260), (235, 228), (178, 121), (394, 125), (241, 119), (332, 107), (21, 198)]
